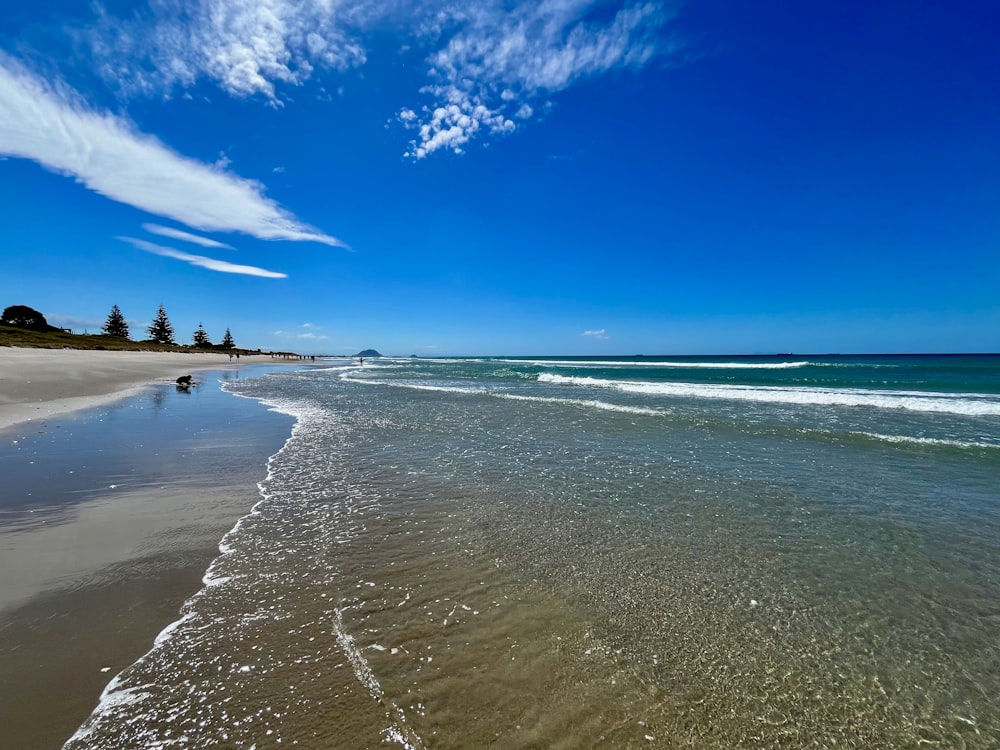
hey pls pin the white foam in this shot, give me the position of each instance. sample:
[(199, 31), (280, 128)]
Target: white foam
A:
[(362, 669), (964, 444), (167, 631), (113, 697), (392, 734), (590, 403), (966, 404), (644, 363), (332, 368), (210, 579), (399, 732)]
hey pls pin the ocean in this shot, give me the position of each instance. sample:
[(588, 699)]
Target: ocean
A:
[(570, 552)]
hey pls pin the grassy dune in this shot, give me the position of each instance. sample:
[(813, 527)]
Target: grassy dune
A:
[(10, 336)]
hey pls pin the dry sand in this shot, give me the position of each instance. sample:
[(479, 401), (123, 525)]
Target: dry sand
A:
[(43, 383)]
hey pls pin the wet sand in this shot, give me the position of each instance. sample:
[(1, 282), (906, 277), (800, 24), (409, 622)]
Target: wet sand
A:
[(58, 652), (108, 520), (44, 383)]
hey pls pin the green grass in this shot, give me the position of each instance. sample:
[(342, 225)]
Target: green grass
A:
[(10, 336)]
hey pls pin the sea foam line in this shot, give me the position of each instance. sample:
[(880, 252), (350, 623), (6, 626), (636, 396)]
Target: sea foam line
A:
[(647, 411), (937, 442), (400, 732), (641, 363), (115, 698), (965, 404), (591, 403)]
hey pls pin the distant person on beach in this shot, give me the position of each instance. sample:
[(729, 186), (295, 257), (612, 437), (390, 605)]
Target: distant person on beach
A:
[(230, 356), (361, 360)]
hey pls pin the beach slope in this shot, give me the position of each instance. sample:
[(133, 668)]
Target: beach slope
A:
[(43, 383), (109, 518)]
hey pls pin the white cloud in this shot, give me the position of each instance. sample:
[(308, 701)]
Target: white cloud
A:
[(597, 334), (177, 234), (505, 57), (453, 125), (201, 261), (247, 47), (51, 125), (490, 61), (308, 334)]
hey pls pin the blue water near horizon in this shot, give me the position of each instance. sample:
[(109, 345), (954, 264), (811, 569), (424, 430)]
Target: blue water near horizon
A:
[(773, 551)]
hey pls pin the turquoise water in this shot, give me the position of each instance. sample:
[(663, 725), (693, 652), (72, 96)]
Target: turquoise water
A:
[(724, 552)]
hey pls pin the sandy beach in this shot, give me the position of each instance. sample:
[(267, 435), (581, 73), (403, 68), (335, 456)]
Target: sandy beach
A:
[(117, 490), (43, 383)]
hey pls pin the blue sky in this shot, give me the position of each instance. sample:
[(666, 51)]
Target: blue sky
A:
[(504, 177)]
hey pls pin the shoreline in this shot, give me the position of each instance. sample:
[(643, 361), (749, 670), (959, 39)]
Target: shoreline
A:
[(39, 384), (120, 494)]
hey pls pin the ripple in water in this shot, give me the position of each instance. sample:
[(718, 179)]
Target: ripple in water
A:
[(498, 573)]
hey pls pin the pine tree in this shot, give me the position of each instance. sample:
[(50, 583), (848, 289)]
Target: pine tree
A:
[(115, 325), (160, 329), (200, 337), (227, 340)]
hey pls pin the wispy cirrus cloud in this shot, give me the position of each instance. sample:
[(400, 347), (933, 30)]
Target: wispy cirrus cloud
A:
[(178, 234), (489, 63), (52, 125), (599, 333), (201, 261)]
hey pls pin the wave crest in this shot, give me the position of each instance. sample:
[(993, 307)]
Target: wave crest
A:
[(965, 404)]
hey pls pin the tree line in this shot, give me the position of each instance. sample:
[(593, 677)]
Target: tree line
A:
[(159, 331)]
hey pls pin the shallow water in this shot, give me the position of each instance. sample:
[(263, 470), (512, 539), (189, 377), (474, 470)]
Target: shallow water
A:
[(762, 552)]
